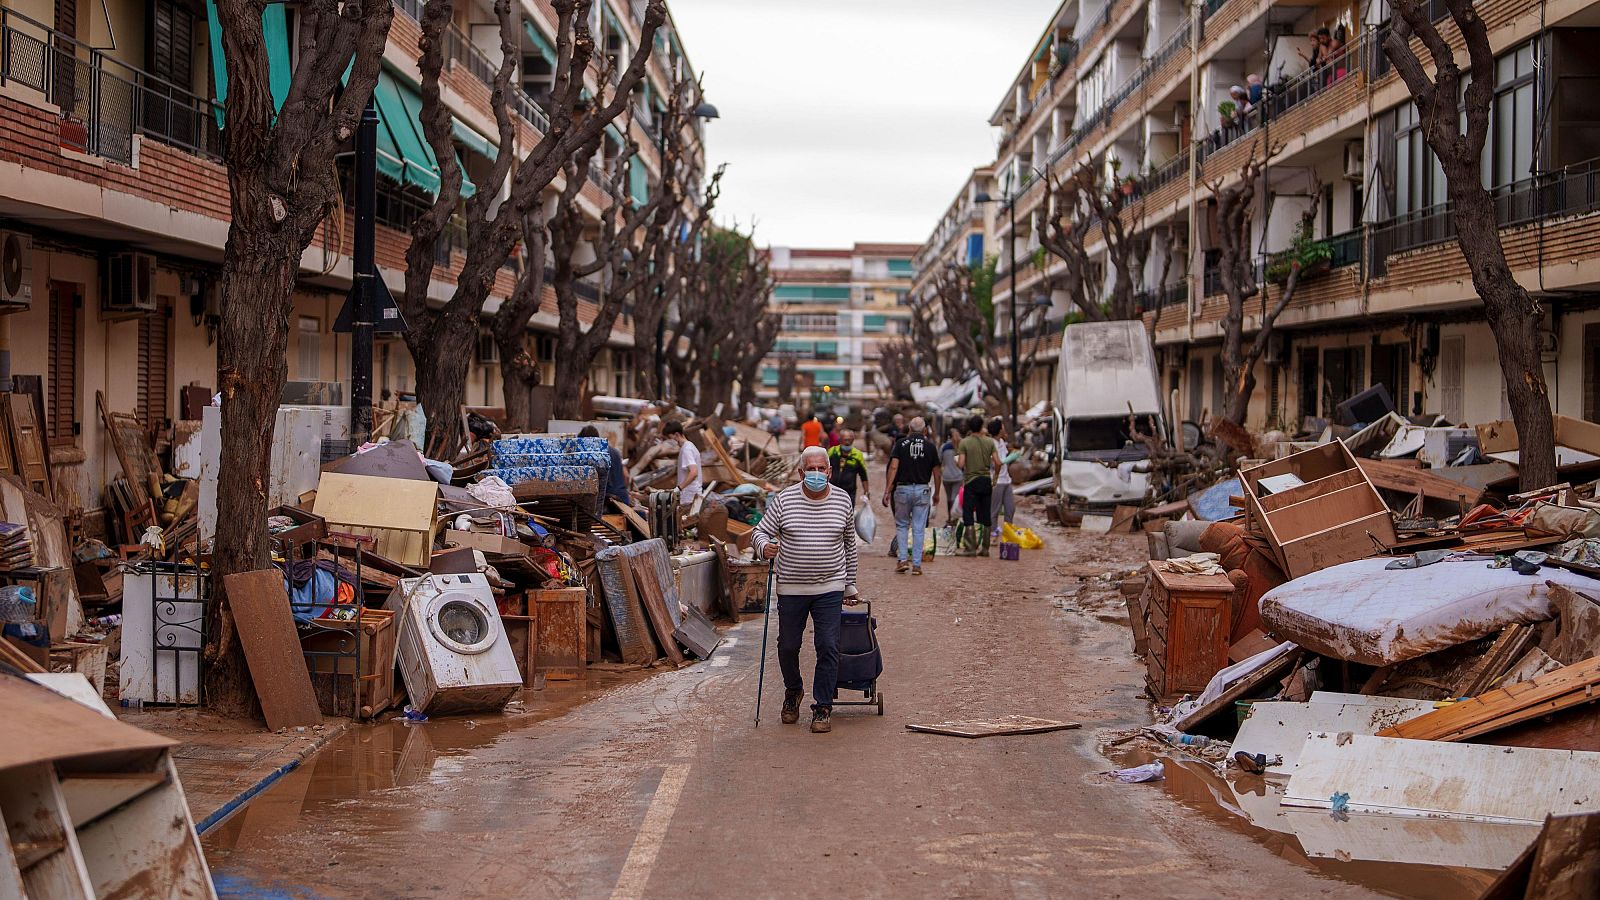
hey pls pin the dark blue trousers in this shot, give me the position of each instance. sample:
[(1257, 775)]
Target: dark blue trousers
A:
[(824, 611)]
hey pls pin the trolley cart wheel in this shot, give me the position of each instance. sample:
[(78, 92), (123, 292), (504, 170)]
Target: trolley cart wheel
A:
[(880, 703)]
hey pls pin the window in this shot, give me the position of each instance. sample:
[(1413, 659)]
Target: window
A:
[(1343, 369), (154, 384), (1391, 367), (1509, 156), (801, 293), (310, 348), (874, 322), (900, 268), (1419, 179), (61, 395), (1308, 383)]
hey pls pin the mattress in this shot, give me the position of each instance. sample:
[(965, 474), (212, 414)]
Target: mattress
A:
[(1364, 613)]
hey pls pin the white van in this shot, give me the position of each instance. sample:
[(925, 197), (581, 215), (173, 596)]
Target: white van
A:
[(1107, 372)]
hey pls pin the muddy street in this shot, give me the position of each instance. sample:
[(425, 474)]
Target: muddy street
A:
[(653, 785)]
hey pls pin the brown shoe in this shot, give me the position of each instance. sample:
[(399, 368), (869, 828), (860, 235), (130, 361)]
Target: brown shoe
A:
[(916, 570), (901, 567), (791, 706), (822, 720)]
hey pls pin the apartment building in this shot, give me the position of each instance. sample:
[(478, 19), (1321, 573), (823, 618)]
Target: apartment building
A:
[(838, 307), (1142, 87), (114, 202)]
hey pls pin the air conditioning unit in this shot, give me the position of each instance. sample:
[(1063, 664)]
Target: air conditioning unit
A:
[(16, 270), (488, 349), (130, 284), (1354, 164), (1277, 349)]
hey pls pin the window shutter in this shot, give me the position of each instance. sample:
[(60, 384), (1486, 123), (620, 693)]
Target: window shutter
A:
[(153, 381), (61, 396)]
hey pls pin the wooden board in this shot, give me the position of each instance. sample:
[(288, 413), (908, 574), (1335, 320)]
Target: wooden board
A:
[(1563, 861), (1391, 476), (1248, 684), (1492, 710), (265, 627), (999, 725), (1279, 729), (28, 443), (651, 593), (1450, 781), (397, 513)]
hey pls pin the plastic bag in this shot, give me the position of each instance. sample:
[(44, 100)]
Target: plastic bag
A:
[(1148, 772), (1022, 537), (866, 524)]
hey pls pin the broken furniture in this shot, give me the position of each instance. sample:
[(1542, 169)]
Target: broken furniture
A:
[(1317, 508), (92, 807), (396, 513), (353, 659), (1187, 624), (557, 639), (163, 632)]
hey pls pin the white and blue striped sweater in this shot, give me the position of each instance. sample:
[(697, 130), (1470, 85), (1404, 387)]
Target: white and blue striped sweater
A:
[(816, 541)]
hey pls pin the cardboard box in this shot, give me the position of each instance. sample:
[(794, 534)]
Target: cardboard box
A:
[(488, 543)]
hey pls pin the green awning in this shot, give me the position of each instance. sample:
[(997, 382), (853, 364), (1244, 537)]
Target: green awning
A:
[(274, 33), (403, 152), (544, 45), (638, 182), (472, 140)]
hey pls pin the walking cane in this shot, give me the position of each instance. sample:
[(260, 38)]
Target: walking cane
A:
[(766, 619)]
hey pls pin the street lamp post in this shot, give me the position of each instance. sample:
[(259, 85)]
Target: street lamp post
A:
[(1010, 201)]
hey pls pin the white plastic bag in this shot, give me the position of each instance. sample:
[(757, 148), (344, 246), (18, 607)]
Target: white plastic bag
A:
[(866, 524)]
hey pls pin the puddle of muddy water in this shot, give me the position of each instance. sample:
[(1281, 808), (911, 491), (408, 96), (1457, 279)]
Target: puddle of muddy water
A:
[(373, 761), (1404, 856)]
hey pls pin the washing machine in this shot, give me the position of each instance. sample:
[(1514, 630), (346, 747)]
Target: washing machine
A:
[(453, 653)]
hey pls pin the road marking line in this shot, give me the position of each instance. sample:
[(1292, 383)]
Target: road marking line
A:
[(647, 845), (721, 661)]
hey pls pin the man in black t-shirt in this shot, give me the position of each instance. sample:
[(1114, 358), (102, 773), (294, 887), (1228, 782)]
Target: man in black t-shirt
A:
[(911, 469)]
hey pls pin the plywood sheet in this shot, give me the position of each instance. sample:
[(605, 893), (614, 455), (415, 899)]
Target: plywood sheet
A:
[(992, 727), (1454, 781), (28, 442), (1279, 729), (42, 725), (272, 648)]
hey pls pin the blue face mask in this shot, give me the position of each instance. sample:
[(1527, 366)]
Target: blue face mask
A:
[(816, 481)]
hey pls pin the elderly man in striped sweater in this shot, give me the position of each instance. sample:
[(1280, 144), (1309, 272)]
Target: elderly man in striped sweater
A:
[(813, 523)]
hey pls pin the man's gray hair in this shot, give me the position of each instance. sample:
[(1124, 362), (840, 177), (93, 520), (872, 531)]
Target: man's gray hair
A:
[(918, 425), (812, 450)]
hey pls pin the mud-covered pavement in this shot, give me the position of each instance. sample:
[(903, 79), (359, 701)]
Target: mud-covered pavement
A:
[(659, 786)]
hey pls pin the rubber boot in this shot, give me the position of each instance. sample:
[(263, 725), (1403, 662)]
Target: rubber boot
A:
[(984, 550)]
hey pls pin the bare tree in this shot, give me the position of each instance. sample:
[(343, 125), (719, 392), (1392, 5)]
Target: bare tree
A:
[(441, 338), (787, 367), (1455, 123), (914, 357), (722, 321), (519, 369), (282, 182), (1077, 203), (1236, 205), (666, 255), (965, 300)]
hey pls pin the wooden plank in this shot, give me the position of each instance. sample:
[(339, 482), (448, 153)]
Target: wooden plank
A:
[(1562, 689), (1563, 861), (1279, 729), (91, 795), (265, 627), (1507, 649), (1451, 781), (1394, 477), (28, 441), (653, 596), (1250, 683), (558, 639)]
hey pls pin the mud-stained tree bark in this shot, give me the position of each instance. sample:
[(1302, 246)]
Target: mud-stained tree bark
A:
[(787, 369), (280, 174), (441, 338), (1455, 123), (1236, 207), (519, 369)]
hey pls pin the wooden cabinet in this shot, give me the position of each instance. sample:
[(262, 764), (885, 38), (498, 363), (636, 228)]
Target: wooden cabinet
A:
[(1326, 514), (1187, 624)]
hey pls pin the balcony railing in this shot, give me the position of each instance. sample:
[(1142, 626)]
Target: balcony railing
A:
[(1173, 169), (1160, 298), (1573, 190), (103, 102), (1278, 99)]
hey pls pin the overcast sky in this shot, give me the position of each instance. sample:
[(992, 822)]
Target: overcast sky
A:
[(852, 120)]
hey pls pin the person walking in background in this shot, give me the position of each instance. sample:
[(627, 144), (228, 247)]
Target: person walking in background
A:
[(911, 469), (849, 466), (1004, 502), (950, 472), (833, 434), (811, 432), (810, 529), (616, 486), (979, 459), (688, 482)]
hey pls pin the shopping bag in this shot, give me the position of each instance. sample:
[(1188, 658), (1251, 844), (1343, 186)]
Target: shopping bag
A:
[(866, 524)]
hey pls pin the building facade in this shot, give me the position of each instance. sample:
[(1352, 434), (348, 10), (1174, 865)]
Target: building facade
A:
[(114, 204), (1143, 88), (838, 308)]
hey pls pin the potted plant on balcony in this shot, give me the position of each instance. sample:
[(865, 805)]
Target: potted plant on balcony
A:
[(1312, 257)]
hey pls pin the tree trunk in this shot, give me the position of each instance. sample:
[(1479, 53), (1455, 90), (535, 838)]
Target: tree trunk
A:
[(443, 354), (258, 278), (1514, 318), (519, 375), (568, 401)]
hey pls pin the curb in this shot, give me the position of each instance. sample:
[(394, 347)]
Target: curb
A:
[(221, 814)]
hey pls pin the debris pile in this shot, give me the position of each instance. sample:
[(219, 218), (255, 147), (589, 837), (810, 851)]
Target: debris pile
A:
[(1381, 625)]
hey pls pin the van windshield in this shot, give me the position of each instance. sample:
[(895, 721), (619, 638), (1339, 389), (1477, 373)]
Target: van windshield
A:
[(1107, 438)]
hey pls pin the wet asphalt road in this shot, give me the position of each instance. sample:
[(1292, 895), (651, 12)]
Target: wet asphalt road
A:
[(660, 786)]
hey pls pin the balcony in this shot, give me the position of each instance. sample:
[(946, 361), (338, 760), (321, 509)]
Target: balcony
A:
[(1572, 191), (103, 102), (1278, 100), (1176, 294)]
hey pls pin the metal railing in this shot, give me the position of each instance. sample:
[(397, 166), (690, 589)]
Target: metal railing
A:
[(459, 48), (1164, 174), (1278, 99), (1569, 191), (104, 102), (1160, 298)]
